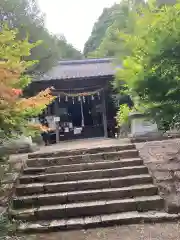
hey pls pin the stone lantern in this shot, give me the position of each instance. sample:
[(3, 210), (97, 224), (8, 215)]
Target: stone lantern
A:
[(142, 127)]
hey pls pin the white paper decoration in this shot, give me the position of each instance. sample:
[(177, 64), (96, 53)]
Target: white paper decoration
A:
[(99, 95)]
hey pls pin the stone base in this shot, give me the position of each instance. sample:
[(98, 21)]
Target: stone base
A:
[(172, 134), (152, 138), (172, 203), (155, 136)]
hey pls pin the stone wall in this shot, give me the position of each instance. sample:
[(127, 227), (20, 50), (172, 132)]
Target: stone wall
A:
[(9, 173), (19, 145), (163, 161)]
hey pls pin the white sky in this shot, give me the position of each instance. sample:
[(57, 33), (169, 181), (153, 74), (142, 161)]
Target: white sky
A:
[(73, 18)]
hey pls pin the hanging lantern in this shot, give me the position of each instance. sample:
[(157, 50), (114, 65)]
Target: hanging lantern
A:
[(66, 98), (92, 97), (73, 100)]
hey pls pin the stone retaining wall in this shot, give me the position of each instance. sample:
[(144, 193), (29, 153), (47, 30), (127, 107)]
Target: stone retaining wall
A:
[(9, 178), (163, 161)]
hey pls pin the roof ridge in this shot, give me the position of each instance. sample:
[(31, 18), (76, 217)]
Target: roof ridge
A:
[(86, 61)]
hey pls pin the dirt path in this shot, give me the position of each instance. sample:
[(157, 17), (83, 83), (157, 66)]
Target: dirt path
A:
[(165, 231)]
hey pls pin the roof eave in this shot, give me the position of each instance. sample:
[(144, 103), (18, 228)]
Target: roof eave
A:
[(74, 78)]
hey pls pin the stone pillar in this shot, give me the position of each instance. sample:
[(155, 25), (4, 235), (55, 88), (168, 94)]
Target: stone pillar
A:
[(104, 114)]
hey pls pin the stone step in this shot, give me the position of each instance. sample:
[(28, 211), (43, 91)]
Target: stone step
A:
[(43, 188), (92, 208), (97, 221), (84, 166), (88, 195), (82, 151), (86, 158), (81, 175)]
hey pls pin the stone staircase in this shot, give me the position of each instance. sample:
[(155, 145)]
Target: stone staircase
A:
[(86, 188)]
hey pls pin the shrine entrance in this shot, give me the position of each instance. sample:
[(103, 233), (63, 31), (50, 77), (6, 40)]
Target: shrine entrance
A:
[(80, 115), (83, 107)]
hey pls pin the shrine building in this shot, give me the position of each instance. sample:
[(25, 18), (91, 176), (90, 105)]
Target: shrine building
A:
[(83, 107)]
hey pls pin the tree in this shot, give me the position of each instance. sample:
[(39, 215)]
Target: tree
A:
[(15, 110), (105, 34), (99, 29), (151, 69), (26, 16), (108, 46)]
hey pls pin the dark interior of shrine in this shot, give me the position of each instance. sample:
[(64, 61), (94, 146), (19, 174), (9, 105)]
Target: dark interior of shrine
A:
[(74, 112), (71, 110)]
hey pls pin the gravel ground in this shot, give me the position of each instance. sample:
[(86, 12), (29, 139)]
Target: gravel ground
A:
[(165, 231)]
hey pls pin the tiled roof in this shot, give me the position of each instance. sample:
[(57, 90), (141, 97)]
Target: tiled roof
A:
[(80, 69)]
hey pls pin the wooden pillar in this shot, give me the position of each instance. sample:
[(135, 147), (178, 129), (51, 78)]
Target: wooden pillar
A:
[(104, 114), (56, 107), (82, 113)]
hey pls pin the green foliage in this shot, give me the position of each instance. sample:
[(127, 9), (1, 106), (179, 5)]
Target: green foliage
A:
[(151, 69), (105, 40), (15, 109), (105, 35), (108, 46), (7, 230), (105, 20), (5, 227), (26, 16), (123, 115)]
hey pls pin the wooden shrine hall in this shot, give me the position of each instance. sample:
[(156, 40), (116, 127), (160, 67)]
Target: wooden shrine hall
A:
[(83, 107)]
